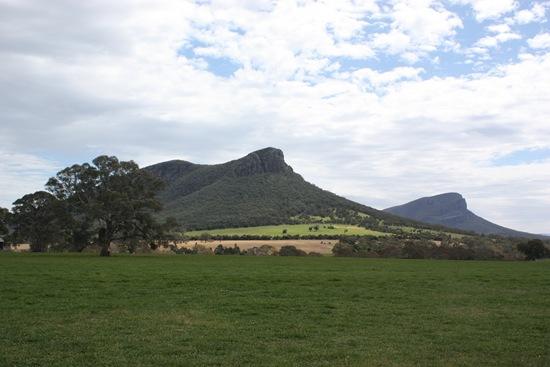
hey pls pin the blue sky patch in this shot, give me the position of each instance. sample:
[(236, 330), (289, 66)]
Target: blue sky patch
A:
[(524, 156), (221, 66)]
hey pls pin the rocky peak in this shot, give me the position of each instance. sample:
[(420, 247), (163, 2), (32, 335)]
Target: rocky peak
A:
[(449, 201), (268, 160)]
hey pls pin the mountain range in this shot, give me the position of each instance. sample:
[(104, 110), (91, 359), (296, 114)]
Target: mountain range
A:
[(262, 189)]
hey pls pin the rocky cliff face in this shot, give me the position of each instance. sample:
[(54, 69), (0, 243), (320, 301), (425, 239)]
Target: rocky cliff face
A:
[(171, 170), (447, 205), (268, 160)]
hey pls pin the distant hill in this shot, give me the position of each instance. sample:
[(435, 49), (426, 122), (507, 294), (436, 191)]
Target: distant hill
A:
[(451, 210), (258, 189)]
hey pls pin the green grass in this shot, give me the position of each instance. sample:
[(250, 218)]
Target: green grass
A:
[(407, 229), (292, 229), (273, 311)]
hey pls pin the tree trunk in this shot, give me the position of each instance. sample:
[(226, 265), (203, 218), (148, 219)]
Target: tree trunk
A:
[(105, 251), (105, 243)]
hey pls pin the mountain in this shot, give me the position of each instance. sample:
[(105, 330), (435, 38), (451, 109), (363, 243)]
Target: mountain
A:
[(258, 189), (451, 210)]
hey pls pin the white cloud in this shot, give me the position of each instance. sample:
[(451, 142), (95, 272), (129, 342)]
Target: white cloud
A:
[(499, 33), (494, 41), (535, 14), (417, 28), (289, 39), (375, 80), (499, 28), (540, 41), (490, 9), (21, 174)]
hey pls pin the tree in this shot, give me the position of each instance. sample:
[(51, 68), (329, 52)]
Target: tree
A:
[(344, 249), (112, 199), (532, 249), (4, 230), (4, 218), (39, 219)]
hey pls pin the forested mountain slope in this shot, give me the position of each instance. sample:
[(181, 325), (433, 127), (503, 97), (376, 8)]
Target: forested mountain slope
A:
[(258, 189)]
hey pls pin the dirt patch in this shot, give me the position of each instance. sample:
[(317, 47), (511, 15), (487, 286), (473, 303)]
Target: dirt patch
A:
[(22, 247)]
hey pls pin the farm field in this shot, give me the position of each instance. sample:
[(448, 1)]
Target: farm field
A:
[(292, 229), (77, 310), (321, 246)]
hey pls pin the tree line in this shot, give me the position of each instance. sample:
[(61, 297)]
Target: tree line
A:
[(88, 204), (446, 248)]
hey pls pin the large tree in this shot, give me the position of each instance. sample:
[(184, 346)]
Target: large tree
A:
[(39, 219), (111, 199)]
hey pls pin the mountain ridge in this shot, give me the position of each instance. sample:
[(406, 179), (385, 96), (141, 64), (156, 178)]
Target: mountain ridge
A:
[(257, 189), (451, 210)]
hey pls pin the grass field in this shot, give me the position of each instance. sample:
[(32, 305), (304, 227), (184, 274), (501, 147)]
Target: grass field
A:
[(292, 229), (431, 231), (74, 310)]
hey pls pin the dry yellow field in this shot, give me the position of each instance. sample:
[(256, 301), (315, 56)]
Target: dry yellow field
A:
[(320, 246)]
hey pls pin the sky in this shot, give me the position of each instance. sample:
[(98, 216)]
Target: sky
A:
[(382, 102)]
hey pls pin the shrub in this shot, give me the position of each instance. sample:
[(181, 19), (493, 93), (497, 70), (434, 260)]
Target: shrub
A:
[(264, 250), (291, 251), (221, 250), (202, 250), (532, 249)]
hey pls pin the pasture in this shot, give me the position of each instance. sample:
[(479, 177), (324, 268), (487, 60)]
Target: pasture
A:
[(81, 310), (291, 229)]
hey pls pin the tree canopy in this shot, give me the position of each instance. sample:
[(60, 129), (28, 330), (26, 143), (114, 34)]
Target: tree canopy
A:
[(4, 217), (109, 199), (39, 219)]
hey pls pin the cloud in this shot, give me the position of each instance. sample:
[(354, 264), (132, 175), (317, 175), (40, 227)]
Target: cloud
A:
[(372, 79), (540, 41), (495, 40), (498, 33), (417, 28), (21, 174), (535, 14), (292, 39), (490, 9)]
